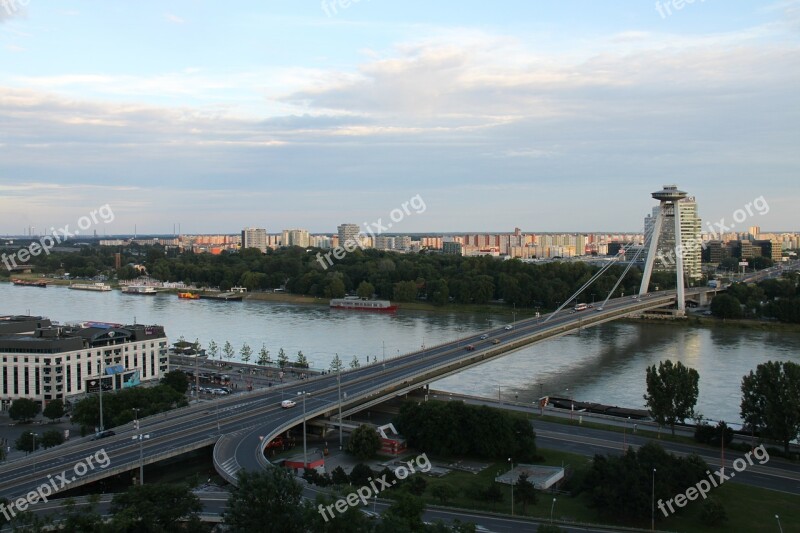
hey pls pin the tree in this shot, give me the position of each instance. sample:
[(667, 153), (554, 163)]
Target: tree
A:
[(493, 494), (360, 475), (156, 507), (713, 513), (227, 350), (364, 442), (54, 409), (416, 484), (52, 437), (726, 306), (405, 291), (524, 491), (771, 400), (268, 501), (213, 349), (336, 364), (283, 359), (354, 363), (339, 476), (23, 409), (302, 362), (405, 512), (365, 290), (27, 442), (176, 380), (319, 519), (671, 392), (263, 356), (245, 353), (443, 492)]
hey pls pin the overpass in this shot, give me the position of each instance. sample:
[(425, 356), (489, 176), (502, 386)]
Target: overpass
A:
[(240, 426)]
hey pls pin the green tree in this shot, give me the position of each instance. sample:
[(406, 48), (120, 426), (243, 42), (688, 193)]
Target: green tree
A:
[(405, 291), (268, 501), (336, 364), (405, 512), (263, 356), (301, 362), (339, 476), (245, 353), (176, 380), (157, 507), (364, 442), (355, 363), (23, 409), (671, 392), (283, 359), (352, 520), (771, 400), (713, 513), (726, 306), (360, 475), (213, 349), (365, 290), (443, 492), (228, 351), (525, 492), (52, 437), (54, 409), (28, 442)]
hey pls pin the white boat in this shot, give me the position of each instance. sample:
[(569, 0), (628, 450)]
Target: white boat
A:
[(356, 303), (142, 290), (101, 287)]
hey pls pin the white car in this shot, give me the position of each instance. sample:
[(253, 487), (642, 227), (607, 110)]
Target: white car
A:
[(509, 326), (286, 404)]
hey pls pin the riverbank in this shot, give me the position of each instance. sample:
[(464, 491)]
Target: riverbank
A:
[(694, 321)]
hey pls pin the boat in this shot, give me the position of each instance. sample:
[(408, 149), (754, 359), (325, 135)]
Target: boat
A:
[(189, 295), (142, 290), (99, 287), (358, 304), (27, 283)]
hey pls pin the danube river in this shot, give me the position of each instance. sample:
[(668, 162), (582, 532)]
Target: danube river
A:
[(605, 364)]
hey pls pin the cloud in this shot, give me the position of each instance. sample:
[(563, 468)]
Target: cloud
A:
[(174, 19)]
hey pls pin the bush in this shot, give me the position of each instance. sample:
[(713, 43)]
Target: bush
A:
[(713, 513)]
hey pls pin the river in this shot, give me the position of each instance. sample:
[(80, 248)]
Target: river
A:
[(605, 364)]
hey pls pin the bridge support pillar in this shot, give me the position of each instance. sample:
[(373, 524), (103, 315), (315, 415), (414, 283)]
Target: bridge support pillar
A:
[(669, 198)]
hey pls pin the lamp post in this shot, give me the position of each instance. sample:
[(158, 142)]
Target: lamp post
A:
[(512, 485), (33, 450), (778, 518), (653, 504), (552, 508), (305, 451), (140, 437), (100, 384), (339, 384)]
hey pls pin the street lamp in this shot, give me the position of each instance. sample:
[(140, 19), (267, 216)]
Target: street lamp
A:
[(552, 507), (653, 504), (140, 437), (305, 450), (33, 450), (339, 384), (778, 518), (512, 485)]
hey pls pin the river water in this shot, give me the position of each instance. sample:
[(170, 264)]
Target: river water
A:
[(605, 364)]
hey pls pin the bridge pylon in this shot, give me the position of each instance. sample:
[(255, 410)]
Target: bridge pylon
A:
[(668, 198)]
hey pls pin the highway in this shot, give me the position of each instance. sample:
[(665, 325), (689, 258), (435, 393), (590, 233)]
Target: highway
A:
[(247, 417)]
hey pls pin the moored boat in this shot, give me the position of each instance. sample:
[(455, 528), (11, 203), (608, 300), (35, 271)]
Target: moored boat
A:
[(188, 295), (142, 290), (356, 303), (99, 287), (27, 283)]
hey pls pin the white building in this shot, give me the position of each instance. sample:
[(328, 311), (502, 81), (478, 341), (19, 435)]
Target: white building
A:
[(255, 238), (43, 362)]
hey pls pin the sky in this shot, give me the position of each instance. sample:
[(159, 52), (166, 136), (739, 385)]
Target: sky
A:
[(544, 115)]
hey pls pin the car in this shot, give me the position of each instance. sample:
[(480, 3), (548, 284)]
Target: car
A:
[(509, 326), (496, 341), (103, 434), (599, 309), (469, 347), (484, 337), (286, 404)]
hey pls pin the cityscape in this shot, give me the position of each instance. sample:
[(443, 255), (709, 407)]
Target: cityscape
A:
[(370, 267)]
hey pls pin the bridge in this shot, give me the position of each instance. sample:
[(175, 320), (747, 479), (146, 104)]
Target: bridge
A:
[(240, 426)]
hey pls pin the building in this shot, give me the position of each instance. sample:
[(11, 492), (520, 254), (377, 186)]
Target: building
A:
[(384, 242), (452, 247), (43, 362), (347, 232), (255, 238), (296, 237), (769, 249), (691, 238)]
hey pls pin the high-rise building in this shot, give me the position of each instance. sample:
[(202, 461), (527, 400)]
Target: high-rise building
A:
[(347, 232), (691, 239), (295, 237), (754, 232), (255, 238)]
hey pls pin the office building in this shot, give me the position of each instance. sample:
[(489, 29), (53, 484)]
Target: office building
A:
[(691, 237), (295, 237), (348, 232), (43, 362)]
